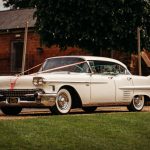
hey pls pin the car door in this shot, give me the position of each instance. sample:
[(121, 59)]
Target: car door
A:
[(124, 88), (102, 88), (110, 82), (102, 82)]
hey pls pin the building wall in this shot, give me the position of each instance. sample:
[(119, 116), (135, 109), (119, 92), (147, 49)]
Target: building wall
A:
[(33, 57), (5, 44)]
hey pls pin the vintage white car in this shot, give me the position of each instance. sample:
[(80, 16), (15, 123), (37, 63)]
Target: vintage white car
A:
[(68, 82)]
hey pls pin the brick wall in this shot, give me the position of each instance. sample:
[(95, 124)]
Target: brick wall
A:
[(32, 57), (5, 44)]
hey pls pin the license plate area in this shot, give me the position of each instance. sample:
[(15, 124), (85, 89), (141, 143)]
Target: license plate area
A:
[(12, 100)]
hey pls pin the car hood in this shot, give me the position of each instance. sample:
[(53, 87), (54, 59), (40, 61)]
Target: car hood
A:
[(16, 82), (25, 81)]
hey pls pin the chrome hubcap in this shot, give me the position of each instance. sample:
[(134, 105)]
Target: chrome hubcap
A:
[(63, 101), (138, 101)]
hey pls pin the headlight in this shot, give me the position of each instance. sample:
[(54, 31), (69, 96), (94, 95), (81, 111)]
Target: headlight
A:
[(38, 81)]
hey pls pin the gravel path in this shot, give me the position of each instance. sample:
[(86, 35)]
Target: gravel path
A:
[(36, 113)]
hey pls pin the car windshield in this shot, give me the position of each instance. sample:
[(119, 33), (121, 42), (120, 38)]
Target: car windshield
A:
[(69, 64)]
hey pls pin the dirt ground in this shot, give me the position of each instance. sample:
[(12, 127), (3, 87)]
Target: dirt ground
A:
[(36, 113)]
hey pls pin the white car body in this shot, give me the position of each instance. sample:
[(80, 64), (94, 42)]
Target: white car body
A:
[(89, 85)]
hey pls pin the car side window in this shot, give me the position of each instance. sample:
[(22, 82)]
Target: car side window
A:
[(107, 68)]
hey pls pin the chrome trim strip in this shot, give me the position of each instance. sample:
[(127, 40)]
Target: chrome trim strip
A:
[(107, 104), (99, 82), (135, 88), (43, 95), (66, 81), (75, 82)]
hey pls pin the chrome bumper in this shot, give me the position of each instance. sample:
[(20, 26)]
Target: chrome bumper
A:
[(41, 100)]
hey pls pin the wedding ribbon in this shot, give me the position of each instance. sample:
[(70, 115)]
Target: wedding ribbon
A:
[(13, 83)]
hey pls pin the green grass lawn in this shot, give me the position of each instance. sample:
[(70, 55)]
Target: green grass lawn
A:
[(106, 131)]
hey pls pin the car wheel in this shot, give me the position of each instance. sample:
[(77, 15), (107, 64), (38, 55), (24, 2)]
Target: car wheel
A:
[(137, 103), (11, 110), (63, 103), (89, 109)]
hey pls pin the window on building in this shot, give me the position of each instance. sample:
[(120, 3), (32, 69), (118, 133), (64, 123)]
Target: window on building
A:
[(16, 56)]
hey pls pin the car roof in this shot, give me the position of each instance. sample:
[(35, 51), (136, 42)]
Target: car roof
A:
[(88, 58)]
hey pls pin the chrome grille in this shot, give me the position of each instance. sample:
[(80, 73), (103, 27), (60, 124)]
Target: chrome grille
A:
[(17, 92)]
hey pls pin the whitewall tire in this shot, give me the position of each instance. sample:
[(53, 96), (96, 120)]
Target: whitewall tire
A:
[(137, 103), (63, 102)]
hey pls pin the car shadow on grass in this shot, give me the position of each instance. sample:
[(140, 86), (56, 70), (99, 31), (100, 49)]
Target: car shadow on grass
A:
[(43, 112), (27, 113)]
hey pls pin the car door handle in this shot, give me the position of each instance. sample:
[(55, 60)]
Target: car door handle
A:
[(110, 77), (129, 78)]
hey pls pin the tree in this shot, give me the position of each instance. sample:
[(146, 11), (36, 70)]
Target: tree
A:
[(15, 4), (92, 24), (135, 14), (84, 23)]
